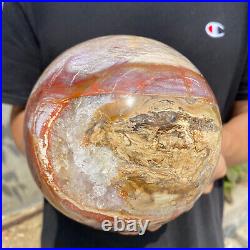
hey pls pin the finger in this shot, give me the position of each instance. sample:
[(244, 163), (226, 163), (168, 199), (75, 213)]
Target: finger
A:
[(153, 228), (129, 233), (208, 189), (220, 170)]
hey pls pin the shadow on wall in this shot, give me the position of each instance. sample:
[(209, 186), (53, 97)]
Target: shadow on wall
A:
[(18, 188)]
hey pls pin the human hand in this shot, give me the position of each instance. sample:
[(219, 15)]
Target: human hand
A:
[(219, 172)]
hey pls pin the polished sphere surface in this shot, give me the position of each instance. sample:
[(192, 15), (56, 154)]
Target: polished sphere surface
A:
[(122, 126)]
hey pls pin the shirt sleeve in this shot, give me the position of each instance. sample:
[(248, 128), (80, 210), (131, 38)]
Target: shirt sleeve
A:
[(21, 55), (243, 88)]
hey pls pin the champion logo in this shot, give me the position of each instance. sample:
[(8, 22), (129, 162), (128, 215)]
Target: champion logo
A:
[(215, 29)]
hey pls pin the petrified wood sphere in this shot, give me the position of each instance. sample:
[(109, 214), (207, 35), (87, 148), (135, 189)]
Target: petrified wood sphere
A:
[(122, 126)]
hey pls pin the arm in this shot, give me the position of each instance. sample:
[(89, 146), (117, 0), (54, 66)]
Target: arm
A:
[(235, 135), (234, 148), (16, 125)]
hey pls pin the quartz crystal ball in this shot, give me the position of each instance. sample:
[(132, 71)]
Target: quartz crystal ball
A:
[(122, 126)]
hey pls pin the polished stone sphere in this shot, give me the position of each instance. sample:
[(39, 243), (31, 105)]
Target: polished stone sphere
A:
[(122, 126)]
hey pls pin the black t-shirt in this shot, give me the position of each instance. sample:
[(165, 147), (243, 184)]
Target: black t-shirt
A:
[(34, 34)]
